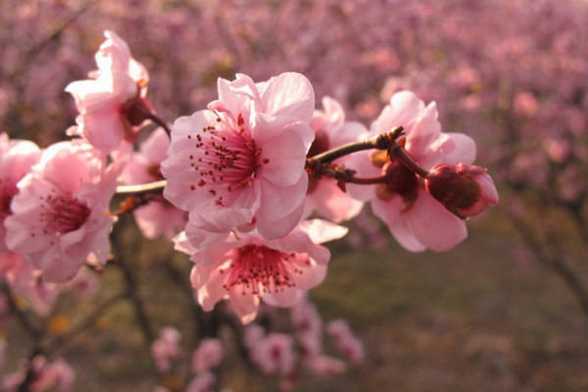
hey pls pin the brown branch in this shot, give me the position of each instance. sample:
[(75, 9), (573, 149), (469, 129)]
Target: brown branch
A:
[(557, 264)]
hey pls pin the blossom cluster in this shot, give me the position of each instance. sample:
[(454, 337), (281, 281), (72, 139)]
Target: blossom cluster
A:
[(285, 356), (244, 178)]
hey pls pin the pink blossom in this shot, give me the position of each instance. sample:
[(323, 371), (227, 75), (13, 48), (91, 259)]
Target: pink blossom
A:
[(247, 268), (60, 216), (274, 354), (208, 355), (345, 341), (203, 382), (166, 348), (414, 217), (158, 217), (241, 162), (324, 195), (111, 104), (465, 190), (16, 159)]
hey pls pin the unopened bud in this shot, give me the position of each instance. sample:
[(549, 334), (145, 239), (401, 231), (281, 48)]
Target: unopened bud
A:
[(465, 190)]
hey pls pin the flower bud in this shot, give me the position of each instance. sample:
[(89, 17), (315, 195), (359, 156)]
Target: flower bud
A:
[(465, 190)]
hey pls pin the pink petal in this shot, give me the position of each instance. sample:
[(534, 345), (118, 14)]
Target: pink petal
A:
[(289, 97), (286, 157), (245, 306), (403, 108), (422, 132), (321, 231), (451, 149), (281, 207), (332, 203), (433, 225), (389, 211), (155, 147)]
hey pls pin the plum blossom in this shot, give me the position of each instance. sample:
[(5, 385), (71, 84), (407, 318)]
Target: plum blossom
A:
[(166, 348), (113, 102), (60, 216), (208, 355), (240, 164), (413, 215), (247, 269), (465, 190), (324, 194), (158, 217)]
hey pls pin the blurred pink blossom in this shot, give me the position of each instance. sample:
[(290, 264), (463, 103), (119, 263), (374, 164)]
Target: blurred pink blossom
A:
[(60, 217)]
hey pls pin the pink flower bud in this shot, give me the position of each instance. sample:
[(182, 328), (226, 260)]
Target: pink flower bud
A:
[(465, 190)]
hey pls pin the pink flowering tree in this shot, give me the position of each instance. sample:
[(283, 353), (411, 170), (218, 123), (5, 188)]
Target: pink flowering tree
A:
[(239, 186)]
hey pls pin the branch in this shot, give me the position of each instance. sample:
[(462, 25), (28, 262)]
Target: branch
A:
[(381, 142), (555, 263), (22, 317)]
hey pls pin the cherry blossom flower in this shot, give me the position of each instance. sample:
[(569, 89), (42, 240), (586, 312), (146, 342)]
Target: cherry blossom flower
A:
[(413, 215), (166, 348), (247, 268), (465, 190), (208, 355), (60, 216), (324, 194), (114, 102), (241, 162), (274, 354), (16, 159), (158, 217)]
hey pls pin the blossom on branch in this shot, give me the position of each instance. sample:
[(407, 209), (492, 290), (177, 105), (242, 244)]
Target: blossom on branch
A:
[(60, 216), (114, 102), (325, 196), (246, 268), (416, 219), (240, 164)]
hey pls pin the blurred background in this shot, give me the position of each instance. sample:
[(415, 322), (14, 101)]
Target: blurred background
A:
[(505, 311)]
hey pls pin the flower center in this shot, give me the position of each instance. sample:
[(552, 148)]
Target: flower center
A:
[(7, 192), (63, 214), (226, 159), (258, 269)]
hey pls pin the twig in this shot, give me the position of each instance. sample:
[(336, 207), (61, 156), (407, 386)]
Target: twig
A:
[(133, 296), (22, 317)]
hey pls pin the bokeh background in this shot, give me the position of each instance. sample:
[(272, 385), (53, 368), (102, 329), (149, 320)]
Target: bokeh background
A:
[(505, 311)]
